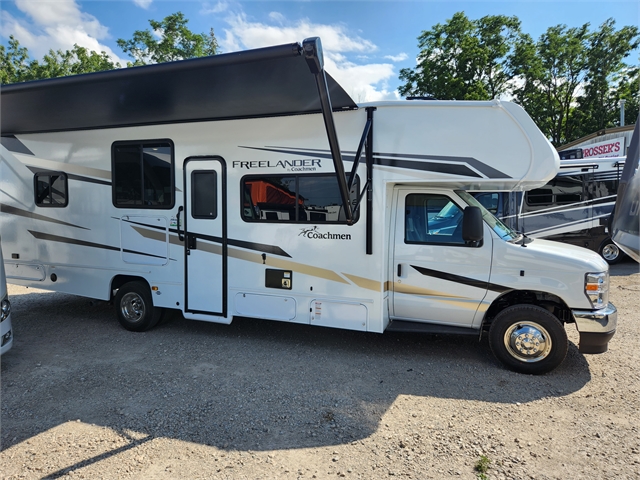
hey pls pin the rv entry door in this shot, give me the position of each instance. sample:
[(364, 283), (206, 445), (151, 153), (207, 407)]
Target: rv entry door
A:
[(205, 236), (437, 277)]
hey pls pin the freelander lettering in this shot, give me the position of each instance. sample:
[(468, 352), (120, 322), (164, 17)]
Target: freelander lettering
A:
[(306, 163)]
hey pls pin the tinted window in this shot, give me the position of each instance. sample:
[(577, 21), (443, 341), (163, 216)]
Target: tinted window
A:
[(293, 198), (432, 219), (143, 175), (559, 191), (203, 194), (51, 189)]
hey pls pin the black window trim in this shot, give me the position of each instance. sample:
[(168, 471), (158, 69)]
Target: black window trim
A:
[(143, 144), (430, 244), (297, 176), (50, 173)]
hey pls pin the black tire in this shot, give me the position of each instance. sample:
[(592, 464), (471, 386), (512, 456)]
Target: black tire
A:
[(528, 339), (610, 252), (134, 307)]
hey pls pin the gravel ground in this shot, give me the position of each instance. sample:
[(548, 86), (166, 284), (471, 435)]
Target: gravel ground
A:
[(83, 398)]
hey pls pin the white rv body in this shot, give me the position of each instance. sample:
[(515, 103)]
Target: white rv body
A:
[(215, 244)]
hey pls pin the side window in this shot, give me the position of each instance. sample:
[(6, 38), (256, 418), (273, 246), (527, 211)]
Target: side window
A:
[(50, 189), (293, 199), (433, 220), (143, 174), (559, 191)]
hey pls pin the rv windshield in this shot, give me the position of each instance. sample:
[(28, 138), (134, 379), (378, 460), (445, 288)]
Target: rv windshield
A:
[(500, 228)]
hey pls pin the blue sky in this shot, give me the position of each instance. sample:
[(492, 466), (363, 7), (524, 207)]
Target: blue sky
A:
[(366, 42)]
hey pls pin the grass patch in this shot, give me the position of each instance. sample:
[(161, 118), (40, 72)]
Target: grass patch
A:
[(482, 467)]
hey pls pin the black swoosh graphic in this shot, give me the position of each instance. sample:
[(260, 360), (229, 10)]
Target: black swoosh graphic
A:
[(11, 143), (460, 279), (70, 176)]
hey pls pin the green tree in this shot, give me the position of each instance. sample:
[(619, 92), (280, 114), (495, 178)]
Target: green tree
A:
[(463, 59), (598, 106), (628, 88), (70, 62), (16, 66), (14, 63), (175, 42), (549, 76)]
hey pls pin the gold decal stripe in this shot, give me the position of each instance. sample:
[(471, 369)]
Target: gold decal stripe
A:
[(363, 282), (411, 290), (247, 256), (287, 265)]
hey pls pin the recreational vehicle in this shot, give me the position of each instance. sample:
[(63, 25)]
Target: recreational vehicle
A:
[(233, 185), (625, 225), (6, 331), (575, 207)]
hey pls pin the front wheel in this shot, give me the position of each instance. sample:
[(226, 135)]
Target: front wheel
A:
[(610, 252), (528, 339), (134, 307)]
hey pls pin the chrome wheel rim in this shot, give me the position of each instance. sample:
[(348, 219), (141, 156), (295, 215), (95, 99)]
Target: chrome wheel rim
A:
[(528, 342), (132, 307), (610, 251)]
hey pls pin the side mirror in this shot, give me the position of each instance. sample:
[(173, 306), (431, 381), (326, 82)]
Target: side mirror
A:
[(472, 225)]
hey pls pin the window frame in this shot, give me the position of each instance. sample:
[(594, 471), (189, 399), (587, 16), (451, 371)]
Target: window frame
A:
[(142, 144), (427, 243), (297, 176), (50, 173)]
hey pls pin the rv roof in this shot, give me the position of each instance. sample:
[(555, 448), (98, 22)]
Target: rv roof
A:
[(265, 82)]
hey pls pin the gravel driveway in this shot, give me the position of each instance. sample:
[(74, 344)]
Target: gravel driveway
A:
[(83, 398)]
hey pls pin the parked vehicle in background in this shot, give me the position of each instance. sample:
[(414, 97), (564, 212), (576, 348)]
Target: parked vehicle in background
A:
[(625, 225), (575, 207), (6, 331)]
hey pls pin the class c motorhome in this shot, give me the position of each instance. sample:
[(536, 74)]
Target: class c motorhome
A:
[(250, 184)]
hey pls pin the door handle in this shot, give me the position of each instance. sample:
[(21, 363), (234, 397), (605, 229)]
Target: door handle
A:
[(180, 235), (399, 269)]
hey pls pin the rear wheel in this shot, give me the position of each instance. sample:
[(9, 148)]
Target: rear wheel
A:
[(134, 307), (528, 339), (610, 252)]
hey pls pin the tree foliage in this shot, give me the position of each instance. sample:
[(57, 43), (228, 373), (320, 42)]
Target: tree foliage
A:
[(463, 59), (169, 40), (17, 67), (570, 80)]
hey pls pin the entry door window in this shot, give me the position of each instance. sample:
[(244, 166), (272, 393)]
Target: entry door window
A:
[(204, 194), (433, 220)]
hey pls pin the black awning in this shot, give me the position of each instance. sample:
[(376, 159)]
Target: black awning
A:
[(265, 82)]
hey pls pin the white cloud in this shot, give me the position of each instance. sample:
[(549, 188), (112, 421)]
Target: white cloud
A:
[(143, 3), (217, 8), (56, 25), (401, 57), (364, 82)]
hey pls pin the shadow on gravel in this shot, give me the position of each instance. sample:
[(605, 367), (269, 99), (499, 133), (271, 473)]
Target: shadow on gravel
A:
[(252, 385), (627, 266)]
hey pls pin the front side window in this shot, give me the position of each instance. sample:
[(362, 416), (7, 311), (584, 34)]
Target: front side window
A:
[(50, 189), (294, 199), (143, 174), (432, 219)]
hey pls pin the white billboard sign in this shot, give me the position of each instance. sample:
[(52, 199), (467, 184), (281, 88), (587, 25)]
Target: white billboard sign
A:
[(608, 148)]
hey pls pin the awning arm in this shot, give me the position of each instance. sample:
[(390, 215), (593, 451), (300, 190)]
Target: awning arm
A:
[(312, 49)]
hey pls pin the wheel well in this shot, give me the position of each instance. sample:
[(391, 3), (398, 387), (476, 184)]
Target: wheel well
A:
[(119, 280), (550, 302)]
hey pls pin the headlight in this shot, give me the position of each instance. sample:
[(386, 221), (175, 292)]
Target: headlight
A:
[(5, 309), (596, 286)]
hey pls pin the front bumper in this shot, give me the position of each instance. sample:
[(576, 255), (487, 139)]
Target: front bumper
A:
[(596, 328)]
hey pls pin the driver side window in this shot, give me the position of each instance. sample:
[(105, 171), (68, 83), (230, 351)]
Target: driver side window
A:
[(432, 220)]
